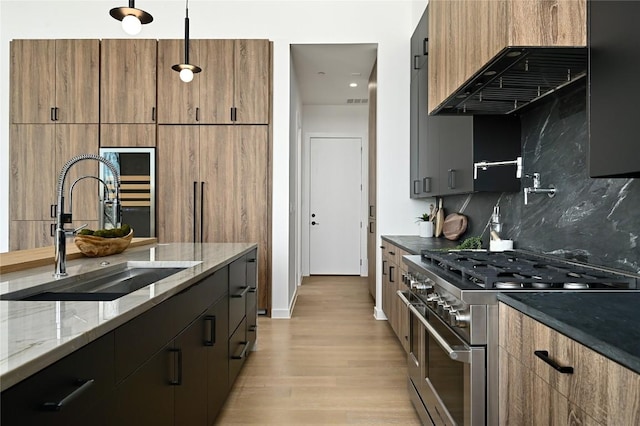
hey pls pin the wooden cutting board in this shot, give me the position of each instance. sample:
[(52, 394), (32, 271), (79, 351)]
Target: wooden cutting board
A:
[(439, 220), (454, 226)]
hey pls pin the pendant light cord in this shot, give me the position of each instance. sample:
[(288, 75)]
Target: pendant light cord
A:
[(186, 34)]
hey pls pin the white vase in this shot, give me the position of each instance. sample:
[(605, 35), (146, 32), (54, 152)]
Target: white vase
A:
[(425, 229)]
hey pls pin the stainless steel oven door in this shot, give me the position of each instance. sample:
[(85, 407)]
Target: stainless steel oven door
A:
[(453, 373)]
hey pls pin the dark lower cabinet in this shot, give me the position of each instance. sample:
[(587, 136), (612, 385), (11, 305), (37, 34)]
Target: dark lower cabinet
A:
[(172, 365), (70, 392)]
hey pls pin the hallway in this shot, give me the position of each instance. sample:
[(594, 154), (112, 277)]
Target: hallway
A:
[(331, 364)]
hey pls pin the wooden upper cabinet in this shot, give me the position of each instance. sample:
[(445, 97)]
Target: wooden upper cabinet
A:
[(177, 101), (233, 87), (465, 35), (252, 78), (55, 81), (128, 81)]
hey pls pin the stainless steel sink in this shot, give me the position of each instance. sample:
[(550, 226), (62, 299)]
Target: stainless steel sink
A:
[(109, 283)]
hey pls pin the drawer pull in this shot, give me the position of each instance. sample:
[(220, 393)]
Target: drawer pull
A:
[(544, 355), (241, 294), (83, 385), (210, 330), (243, 353), (177, 381), (253, 290)]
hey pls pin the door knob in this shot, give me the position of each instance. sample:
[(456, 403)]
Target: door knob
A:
[(315, 223)]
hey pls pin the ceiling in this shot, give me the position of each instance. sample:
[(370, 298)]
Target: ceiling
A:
[(324, 72)]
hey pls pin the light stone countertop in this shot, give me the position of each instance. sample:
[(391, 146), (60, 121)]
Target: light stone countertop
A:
[(34, 335)]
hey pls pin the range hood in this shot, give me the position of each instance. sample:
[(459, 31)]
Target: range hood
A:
[(515, 78)]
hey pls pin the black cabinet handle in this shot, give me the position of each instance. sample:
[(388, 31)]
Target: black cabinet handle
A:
[(195, 194), (425, 46), (243, 353), (210, 330), (371, 227), (426, 184), (201, 211), (253, 328), (53, 210), (544, 355), (253, 290), (241, 294), (178, 381), (371, 211), (153, 114), (392, 253), (452, 178), (416, 59), (234, 114), (53, 229), (52, 114), (57, 113), (83, 385), (416, 189), (391, 269), (384, 267), (252, 260), (197, 113), (382, 247)]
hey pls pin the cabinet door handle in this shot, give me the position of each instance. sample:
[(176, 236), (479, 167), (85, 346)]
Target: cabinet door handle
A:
[(253, 328), (371, 227), (544, 355), (392, 253), (53, 210), (153, 114), (83, 385), (177, 381), (52, 114), (201, 211), (243, 353), (252, 260), (210, 330), (425, 46), (53, 229), (197, 113), (371, 211), (253, 290), (452, 178), (391, 269), (57, 113), (384, 267), (242, 293), (195, 219), (416, 189), (426, 184), (416, 58)]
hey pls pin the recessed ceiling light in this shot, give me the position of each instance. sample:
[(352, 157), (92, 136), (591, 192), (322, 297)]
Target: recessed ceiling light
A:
[(353, 84)]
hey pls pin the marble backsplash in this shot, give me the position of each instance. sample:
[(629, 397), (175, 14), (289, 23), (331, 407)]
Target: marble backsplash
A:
[(590, 220)]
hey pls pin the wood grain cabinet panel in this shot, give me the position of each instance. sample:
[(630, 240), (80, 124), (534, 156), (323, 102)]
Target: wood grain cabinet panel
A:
[(54, 81), (128, 81), (604, 390), (466, 35), (128, 135), (233, 87)]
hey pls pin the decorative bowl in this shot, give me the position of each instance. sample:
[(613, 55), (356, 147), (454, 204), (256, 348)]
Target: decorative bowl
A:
[(92, 246)]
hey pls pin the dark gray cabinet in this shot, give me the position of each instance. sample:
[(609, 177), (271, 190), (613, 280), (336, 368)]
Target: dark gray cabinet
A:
[(614, 67), (444, 148), (70, 392)]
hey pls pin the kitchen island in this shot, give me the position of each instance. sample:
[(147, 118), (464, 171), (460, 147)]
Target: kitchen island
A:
[(39, 335)]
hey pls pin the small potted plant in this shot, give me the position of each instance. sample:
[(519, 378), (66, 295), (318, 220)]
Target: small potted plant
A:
[(425, 225)]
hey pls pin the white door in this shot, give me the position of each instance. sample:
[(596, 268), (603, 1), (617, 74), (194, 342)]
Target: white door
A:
[(334, 206)]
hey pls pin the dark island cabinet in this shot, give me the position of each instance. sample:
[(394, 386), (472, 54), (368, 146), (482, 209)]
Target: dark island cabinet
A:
[(614, 67), (444, 148), (69, 392), (172, 365)]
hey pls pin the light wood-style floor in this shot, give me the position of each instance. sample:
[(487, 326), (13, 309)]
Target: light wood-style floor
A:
[(332, 363)]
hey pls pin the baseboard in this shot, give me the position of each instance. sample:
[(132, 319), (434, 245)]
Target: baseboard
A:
[(285, 313), (379, 314)]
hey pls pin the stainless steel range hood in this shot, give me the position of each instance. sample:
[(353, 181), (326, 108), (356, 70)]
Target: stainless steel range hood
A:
[(515, 78)]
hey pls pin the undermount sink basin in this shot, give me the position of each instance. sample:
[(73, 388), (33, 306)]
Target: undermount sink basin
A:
[(109, 283)]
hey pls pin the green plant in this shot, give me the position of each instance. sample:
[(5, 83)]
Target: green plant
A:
[(424, 218)]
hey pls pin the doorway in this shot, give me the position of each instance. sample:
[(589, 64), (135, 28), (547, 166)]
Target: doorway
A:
[(335, 197)]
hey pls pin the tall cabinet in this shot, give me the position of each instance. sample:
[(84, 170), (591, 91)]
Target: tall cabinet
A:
[(54, 117)]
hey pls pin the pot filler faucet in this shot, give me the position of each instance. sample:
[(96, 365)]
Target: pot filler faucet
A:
[(536, 189), (62, 217)]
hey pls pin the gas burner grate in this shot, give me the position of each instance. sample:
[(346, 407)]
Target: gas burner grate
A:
[(495, 269)]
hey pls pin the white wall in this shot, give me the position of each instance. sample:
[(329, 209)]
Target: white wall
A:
[(387, 23)]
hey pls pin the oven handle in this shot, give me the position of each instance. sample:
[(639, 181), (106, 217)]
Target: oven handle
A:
[(402, 297), (454, 354)]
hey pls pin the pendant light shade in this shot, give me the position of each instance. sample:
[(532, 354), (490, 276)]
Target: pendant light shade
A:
[(185, 69), (132, 18)]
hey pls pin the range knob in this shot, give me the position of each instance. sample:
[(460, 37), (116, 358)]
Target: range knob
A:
[(434, 300), (458, 319), (443, 307)]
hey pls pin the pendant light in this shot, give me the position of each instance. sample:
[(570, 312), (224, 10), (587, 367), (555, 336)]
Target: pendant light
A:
[(185, 69), (132, 18)]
